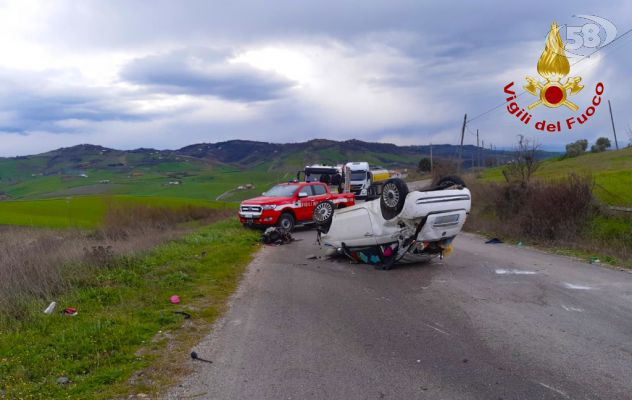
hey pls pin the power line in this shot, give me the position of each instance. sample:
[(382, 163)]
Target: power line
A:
[(575, 63)]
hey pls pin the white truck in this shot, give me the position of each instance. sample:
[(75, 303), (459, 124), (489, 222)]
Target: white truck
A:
[(364, 182)]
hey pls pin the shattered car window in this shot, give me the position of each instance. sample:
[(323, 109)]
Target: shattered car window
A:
[(281, 191)]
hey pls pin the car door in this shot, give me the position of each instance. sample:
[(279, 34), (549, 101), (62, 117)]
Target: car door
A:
[(352, 226), (305, 209), (320, 194), (309, 203)]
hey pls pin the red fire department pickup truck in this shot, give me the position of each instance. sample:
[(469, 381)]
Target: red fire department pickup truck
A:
[(289, 204)]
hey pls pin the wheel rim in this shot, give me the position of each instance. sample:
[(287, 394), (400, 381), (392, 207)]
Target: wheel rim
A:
[(322, 213), (390, 195), (286, 223)]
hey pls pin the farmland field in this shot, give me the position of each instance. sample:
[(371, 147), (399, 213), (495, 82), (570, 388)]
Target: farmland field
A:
[(80, 212)]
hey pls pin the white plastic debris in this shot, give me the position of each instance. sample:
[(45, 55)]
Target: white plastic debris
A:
[(51, 308)]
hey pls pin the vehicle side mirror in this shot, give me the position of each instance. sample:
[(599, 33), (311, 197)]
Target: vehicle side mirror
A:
[(302, 194)]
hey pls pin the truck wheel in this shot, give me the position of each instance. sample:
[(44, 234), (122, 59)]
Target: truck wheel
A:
[(393, 197), (449, 181), (286, 221), (323, 214)]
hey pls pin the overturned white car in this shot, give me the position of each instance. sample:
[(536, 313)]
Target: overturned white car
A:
[(400, 226)]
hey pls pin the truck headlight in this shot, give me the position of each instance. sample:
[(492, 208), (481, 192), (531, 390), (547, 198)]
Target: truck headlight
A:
[(268, 207), (363, 191)]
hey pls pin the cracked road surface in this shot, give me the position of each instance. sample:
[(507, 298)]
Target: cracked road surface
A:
[(488, 322)]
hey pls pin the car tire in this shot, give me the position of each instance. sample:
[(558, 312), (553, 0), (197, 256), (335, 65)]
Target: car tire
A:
[(449, 181), (323, 214), (286, 221), (393, 197)]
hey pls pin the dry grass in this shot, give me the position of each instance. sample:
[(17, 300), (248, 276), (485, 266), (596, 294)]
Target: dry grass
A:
[(562, 213), (36, 264)]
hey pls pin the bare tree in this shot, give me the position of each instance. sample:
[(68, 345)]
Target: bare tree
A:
[(629, 131), (524, 163)]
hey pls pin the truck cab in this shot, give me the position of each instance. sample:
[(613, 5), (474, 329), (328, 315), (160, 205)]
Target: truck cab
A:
[(364, 182)]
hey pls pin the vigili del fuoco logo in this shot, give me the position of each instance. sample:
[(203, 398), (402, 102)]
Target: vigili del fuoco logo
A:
[(555, 91)]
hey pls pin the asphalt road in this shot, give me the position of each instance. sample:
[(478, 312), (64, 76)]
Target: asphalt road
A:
[(488, 322)]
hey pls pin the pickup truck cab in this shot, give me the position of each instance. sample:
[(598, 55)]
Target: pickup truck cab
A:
[(289, 204)]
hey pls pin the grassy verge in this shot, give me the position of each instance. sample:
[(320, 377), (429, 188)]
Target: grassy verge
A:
[(610, 171), (560, 216), (121, 309)]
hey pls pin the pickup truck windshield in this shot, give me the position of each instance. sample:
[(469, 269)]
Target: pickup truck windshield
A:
[(281, 191), (358, 175)]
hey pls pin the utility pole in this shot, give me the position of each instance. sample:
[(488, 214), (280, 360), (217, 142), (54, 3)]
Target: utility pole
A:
[(430, 158), (461, 147), (478, 151), (613, 130)]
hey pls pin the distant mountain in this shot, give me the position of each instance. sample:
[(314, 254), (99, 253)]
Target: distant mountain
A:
[(246, 153), (85, 169), (242, 154)]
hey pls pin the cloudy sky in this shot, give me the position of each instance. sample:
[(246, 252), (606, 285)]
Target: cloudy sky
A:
[(166, 74)]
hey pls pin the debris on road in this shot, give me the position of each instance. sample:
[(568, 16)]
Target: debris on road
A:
[(311, 257), (494, 241), (274, 235), (195, 356)]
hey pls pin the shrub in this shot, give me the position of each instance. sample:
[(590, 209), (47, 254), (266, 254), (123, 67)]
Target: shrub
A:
[(602, 144), (538, 210), (577, 148)]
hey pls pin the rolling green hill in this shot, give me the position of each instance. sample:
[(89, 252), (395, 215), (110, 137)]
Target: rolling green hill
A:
[(611, 170), (200, 171)]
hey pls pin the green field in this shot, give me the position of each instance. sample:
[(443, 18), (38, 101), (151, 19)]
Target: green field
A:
[(193, 184), (611, 170), (81, 212)]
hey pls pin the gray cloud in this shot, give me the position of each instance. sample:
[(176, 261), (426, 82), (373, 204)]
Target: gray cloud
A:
[(458, 55), (204, 72), (30, 101)]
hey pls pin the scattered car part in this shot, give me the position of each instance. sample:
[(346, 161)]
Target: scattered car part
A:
[(69, 311), (186, 315), (195, 356), (50, 308), (274, 235)]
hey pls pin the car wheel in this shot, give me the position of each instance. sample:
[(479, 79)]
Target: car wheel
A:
[(449, 181), (323, 214), (393, 197), (286, 221)]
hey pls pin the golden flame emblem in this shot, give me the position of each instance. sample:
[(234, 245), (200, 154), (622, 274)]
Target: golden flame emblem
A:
[(553, 66)]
